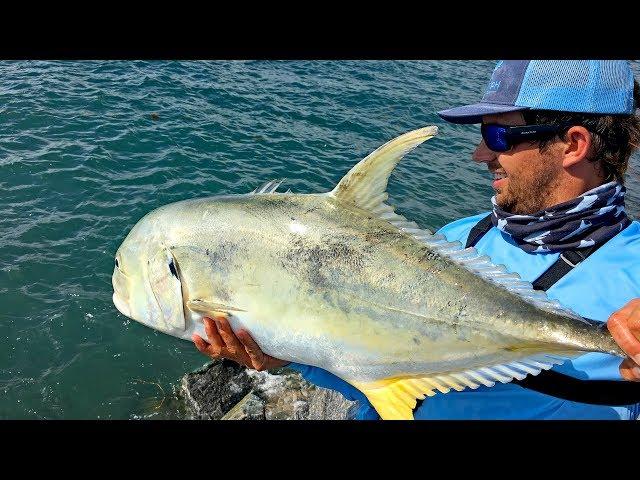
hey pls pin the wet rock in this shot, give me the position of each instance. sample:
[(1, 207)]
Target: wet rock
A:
[(224, 390), (213, 390), (251, 407), (330, 405)]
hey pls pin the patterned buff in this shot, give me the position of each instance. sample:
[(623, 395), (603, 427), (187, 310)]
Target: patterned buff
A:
[(590, 219)]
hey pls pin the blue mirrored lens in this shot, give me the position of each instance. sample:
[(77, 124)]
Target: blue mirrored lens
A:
[(495, 137)]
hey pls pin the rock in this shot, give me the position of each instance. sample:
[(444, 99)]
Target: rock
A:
[(213, 390), (330, 405), (251, 407), (224, 390)]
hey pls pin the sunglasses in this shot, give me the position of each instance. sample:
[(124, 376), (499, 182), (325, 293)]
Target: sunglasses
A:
[(501, 138)]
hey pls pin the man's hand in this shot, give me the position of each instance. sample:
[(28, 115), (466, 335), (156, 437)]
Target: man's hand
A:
[(624, 326), (223, 343)]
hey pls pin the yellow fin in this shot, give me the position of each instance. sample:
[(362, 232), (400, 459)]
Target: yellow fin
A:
[(395, 399)]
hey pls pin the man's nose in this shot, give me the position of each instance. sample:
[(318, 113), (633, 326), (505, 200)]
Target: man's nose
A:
[(482, 153)]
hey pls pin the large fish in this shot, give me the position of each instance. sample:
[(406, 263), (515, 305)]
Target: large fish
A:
[(340, 281)]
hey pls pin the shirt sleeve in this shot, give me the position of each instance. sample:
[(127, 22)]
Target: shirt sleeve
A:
[(325, 379)]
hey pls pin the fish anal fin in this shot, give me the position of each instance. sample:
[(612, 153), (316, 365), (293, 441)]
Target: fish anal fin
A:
[(395, 398)]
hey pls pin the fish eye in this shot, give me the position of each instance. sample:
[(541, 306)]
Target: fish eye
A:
[(117, 264), (172, 267)]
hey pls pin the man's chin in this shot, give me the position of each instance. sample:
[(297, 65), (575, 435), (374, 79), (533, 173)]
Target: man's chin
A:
[(503, 202)]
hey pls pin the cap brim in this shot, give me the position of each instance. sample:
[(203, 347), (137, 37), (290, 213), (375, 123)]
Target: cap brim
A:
[(473, 113)]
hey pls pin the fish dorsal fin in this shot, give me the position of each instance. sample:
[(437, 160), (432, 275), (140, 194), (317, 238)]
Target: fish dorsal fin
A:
[(269, 187), (365, 184), (395, 398), (387, 212)]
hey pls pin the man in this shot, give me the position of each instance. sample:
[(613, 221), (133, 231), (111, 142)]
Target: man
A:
[(557, 136)]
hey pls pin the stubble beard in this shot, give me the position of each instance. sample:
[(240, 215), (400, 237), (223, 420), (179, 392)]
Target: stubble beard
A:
[(529, 193)]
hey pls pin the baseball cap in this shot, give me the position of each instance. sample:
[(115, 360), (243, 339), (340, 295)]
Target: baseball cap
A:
[(579, 86)]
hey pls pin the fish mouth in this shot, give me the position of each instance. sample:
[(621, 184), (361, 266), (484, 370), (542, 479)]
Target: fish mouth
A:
[(121, 305)]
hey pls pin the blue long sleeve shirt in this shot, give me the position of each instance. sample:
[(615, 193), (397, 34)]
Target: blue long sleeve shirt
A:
[(597, 287)]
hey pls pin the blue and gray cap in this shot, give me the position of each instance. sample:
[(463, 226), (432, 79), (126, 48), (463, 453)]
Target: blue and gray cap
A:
[(580, 86)]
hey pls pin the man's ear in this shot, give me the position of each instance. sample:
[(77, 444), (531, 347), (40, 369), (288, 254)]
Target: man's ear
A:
[(576, 146)]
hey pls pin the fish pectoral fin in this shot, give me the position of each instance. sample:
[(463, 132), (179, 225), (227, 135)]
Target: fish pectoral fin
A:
[(395, 398), (206, 306)]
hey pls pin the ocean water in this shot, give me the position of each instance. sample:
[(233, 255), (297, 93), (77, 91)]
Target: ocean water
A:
[(88, 147)]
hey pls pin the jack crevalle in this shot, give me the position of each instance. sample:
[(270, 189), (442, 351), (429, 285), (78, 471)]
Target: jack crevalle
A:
[(340, 281)]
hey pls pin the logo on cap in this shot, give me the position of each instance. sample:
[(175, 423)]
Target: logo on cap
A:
[(493, 85)]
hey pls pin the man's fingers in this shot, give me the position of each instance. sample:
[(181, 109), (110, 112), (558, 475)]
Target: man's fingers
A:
[(256, 355), (633, 322), (201, 344), (630, 370), (249, 343), (224, 343), (619, 329), (212, 334), (232, 345), (622, 314), (228, 337)]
